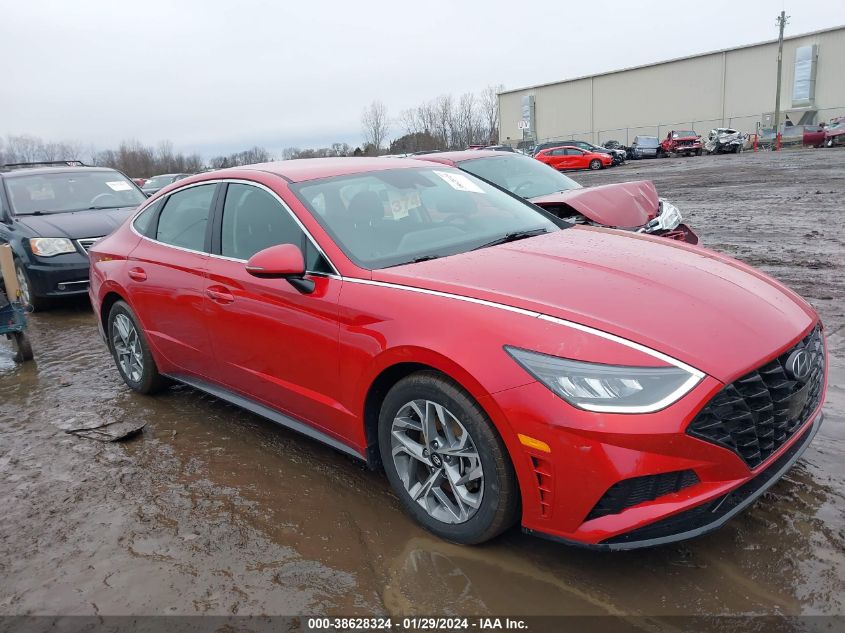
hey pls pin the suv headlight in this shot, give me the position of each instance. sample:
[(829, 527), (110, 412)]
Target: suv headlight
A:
[(51, 246), (608, 388)]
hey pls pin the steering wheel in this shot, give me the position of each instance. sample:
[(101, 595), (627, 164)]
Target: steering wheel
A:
[(522, 185), (96, 200)]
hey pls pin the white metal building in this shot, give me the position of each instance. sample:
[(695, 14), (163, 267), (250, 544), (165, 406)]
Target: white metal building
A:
[(729, 88)]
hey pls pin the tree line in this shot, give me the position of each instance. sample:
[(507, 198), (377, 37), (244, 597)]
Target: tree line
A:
[(446, 122)]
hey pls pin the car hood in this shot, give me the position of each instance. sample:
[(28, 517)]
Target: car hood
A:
[(76, 224), (625, 205), (705, 309)]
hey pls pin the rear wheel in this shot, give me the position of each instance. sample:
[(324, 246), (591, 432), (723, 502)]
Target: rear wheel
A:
[(445, 460), (595, 164), (131, 352)]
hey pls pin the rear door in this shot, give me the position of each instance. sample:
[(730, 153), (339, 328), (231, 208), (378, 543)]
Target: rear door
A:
[(272, 342), (167, 278)]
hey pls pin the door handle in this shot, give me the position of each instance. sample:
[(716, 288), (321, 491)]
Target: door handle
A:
[(137, 274), (220, 294)]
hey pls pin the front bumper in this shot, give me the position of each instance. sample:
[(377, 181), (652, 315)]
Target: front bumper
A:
[(63, 275), (708, 516), (617, 481)]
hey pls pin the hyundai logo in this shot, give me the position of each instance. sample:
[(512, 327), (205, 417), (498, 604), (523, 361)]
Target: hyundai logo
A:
[(798, 364)]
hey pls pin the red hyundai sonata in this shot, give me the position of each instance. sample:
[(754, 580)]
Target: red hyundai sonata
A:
[(604, 388)]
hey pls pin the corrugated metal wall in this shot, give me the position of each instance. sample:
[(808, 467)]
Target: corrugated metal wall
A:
[(730, 88)]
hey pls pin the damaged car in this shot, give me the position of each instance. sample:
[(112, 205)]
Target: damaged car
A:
[(834, 133), (645, 147), (682, 143), (632, 206), (725, 140)]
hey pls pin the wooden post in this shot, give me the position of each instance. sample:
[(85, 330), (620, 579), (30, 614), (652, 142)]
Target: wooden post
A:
[(7, 268)]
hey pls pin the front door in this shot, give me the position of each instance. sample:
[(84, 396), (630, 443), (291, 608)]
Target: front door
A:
[(272, 342)]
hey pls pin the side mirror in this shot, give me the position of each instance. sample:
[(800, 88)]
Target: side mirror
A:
[(283, 261)]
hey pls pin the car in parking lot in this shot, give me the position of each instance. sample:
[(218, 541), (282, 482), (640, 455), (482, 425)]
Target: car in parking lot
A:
[(681, 142), (618, 155), (573, 158), (645, 147), (607, 389), (834, 134), (633, 206), (156, 183), (51, 213)]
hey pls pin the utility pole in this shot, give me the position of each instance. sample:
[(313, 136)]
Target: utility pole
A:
[(781, 23)]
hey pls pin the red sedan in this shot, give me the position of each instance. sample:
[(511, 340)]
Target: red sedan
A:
[(573, 158), (609, 389)]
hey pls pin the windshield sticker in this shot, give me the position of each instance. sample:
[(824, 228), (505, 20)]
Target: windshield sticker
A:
[(459, 182), (401, 204), (119, 185)]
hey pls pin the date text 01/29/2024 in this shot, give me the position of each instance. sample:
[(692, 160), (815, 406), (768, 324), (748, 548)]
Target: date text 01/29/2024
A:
[(415, 624)]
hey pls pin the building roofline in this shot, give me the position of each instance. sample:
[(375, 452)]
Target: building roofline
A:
[(671, 61)]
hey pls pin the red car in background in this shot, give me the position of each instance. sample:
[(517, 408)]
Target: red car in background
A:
[(834, 132), (681, 142), (607, 389), (573, 158), (633, 206), (139, 181)]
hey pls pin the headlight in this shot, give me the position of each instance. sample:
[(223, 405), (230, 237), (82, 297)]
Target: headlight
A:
[(50, 246), (608, 388)]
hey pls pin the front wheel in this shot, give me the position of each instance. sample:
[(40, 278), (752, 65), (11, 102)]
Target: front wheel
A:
[(28, 298), (131, 352), (445, 460), (595, 164)]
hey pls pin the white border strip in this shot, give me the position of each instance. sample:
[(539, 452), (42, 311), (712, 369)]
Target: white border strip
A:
[(697, 375)]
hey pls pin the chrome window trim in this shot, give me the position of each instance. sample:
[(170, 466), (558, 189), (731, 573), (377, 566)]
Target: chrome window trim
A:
[(237, 181), (696, 374)]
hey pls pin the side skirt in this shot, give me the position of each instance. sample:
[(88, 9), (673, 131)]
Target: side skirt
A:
[(266, 412)]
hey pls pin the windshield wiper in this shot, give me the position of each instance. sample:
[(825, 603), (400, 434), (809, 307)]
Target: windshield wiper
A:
[(512, 237), (416, 260), (120, 206)]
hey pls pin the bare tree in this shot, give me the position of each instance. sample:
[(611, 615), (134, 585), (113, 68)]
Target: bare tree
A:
[(490, 111), (375, 125)]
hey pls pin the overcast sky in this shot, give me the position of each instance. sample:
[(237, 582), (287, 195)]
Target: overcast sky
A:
[(220, 75)]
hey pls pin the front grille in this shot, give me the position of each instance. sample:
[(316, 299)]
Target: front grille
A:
[(630, 492), (87, 242), (755, 415)]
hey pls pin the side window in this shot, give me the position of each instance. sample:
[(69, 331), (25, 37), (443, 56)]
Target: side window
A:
[(142, 222), (185, 216), (254, 220)]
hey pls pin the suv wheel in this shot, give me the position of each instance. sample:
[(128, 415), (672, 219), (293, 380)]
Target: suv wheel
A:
[(445, 460), (131, 352), (28, 298)]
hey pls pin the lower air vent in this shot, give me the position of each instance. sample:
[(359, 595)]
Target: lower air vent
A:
[(630, 492)]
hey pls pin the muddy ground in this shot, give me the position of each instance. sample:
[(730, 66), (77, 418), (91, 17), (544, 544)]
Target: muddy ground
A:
[(212, 510)]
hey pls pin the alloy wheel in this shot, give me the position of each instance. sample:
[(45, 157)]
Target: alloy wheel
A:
[(437, 461), (127, 347)]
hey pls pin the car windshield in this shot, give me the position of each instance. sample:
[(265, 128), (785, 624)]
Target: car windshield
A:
[(158, 182), (398, 216), (683, 134), (647, 141), (523, 176), (71, 191)]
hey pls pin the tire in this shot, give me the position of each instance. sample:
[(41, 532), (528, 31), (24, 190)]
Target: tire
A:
[(595, 164), (131, 352), (489, 500), (28, 298), (24, 347), (698, 152)]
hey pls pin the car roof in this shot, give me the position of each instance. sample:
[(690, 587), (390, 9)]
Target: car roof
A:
[(302, 169), (30, 171), (165, 175), (461, 155)]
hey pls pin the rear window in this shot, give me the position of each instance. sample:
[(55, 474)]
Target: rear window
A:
[(184, 218)]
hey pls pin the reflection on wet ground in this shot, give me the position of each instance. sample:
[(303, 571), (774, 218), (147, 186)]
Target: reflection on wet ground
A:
[(213, 510)]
